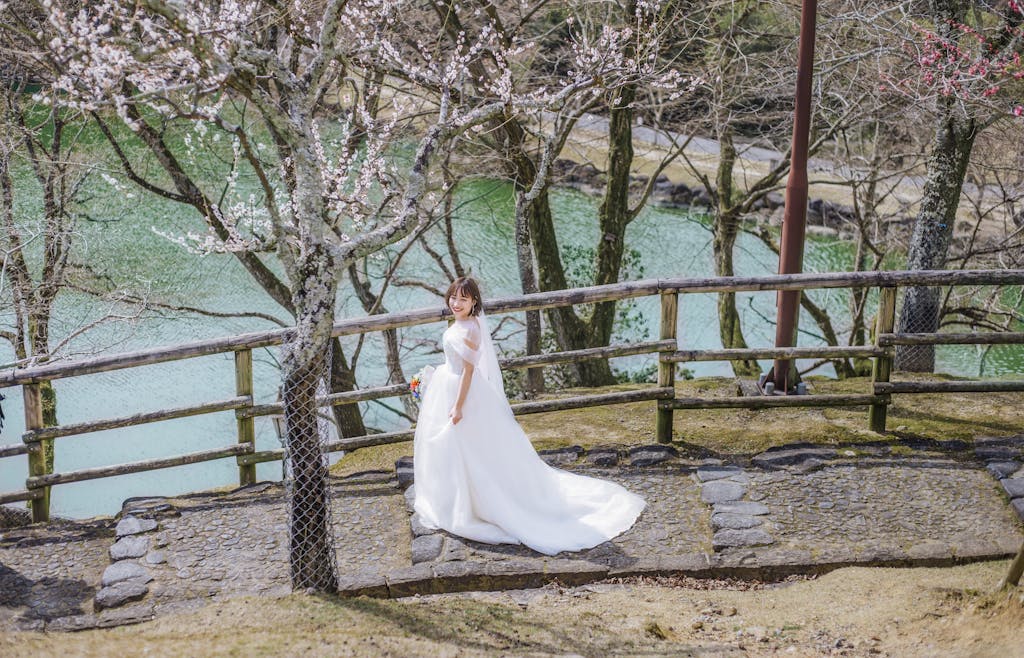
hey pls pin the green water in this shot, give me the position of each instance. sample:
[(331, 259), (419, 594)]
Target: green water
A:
[(670, 243)]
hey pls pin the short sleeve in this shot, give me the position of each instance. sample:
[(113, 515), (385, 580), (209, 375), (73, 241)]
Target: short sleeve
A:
[(457, 340)]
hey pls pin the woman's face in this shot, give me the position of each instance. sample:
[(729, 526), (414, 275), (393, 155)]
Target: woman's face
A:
[(461, 305)]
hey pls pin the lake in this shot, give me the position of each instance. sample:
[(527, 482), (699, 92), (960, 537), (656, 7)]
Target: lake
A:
[(125, 250)]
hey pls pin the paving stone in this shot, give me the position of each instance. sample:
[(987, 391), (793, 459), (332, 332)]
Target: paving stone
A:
[(741, 507), (561, 456), (792, 456), (119, 593), (1018, 506), (404, 471), (418, 529), (454, 550), (603, 456), (650, 455), (132, 614), (426, 548), (128, 547), (734, 521), (1014, 487), (71, 624), (997, 452), (124, 570), (720, 491), (131, 525), (729, 538), (708, 473), (1003, 469), (410, 498)]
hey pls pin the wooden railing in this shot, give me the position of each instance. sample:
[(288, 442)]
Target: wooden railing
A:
[(39, 481)]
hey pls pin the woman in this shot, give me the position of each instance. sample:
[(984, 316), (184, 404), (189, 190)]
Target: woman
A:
[(477, 474)]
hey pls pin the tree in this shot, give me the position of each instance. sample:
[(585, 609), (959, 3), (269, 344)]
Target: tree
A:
[(965, 70), (601, 52), (275, 79)]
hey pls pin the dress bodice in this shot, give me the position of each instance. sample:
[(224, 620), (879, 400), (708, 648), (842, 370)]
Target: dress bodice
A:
[(456, 351)]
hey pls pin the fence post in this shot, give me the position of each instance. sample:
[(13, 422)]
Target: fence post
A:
[(246, 425), (666, 369), (33, 400), (882, 367)]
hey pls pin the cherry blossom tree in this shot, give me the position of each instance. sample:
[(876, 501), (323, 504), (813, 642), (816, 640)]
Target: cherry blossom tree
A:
[(309, 102), (286, 86), (968, 66)]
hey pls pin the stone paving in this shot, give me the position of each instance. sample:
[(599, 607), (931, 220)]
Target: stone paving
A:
[(797, 509)]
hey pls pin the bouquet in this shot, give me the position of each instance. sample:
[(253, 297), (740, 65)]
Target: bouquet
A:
[(418, 383)]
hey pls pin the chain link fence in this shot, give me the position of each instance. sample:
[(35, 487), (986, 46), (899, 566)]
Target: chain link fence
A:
[(917, 312), (311, 548)]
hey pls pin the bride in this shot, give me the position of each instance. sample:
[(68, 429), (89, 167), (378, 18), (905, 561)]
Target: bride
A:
[(477, 474)]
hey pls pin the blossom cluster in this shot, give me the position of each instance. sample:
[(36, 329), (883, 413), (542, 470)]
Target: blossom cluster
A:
[(965, 63)]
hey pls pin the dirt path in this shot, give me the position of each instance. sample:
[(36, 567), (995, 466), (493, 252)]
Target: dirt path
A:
[(849, 612)]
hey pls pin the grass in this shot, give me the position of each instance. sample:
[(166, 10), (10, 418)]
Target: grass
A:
[(948, 416)]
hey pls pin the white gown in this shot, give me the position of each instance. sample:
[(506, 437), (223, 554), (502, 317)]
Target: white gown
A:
[(482, 479)]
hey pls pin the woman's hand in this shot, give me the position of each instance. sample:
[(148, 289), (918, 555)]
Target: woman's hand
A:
[(455, 414)]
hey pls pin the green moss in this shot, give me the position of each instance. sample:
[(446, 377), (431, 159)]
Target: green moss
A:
[(700, 432)]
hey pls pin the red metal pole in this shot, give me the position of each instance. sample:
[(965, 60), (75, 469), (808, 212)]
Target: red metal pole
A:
[(794, 221)]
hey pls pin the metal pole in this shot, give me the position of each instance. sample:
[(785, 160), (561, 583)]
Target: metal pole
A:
[(794, 222)]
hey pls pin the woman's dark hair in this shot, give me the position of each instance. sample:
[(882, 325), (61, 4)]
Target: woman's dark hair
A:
[(468, 287)]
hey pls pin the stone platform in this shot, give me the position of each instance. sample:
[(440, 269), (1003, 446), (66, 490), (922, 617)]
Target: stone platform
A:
[(797, 509)]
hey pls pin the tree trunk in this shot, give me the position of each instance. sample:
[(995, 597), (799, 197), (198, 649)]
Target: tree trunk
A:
[(347, 416), (933, 228), (614, 213), (528, 281), (726, 227), (570, 332), (311, 551)]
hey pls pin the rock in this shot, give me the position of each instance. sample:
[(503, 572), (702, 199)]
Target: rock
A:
[(1003, 469), (649, 455), (131, 546), (772, 459), (1014, 487), (156, 557), (404, 470), (70, 624), (454, 550), (721, 491), (734, 521), (426, 548), (133, 614), (708, 473), (997, 452), (124, 570), (741, 507), (561, 456), (603, 457), (410, 499), (120, 593), (729, 538), (131, 525), (1018, 506), (418, 529)]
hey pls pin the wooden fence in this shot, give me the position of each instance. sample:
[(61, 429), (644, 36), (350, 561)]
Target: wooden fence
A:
[(39, 481)]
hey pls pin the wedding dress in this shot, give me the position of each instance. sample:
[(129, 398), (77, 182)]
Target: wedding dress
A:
[(481, 478)]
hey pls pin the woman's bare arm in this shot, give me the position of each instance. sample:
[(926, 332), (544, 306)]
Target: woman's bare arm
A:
[(472, 341)]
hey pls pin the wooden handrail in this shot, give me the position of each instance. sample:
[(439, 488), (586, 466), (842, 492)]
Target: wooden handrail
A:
[(535, 301), (986, 338), (39, 480), (137, 419), (827, 352)]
